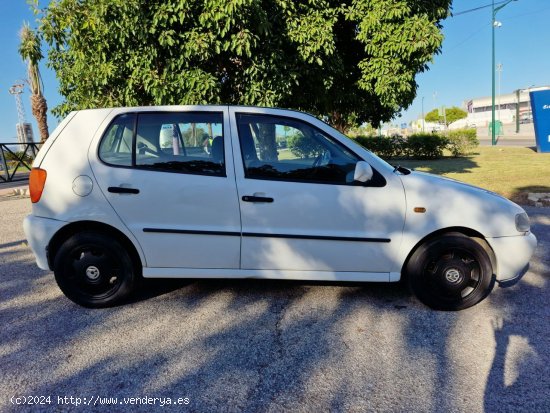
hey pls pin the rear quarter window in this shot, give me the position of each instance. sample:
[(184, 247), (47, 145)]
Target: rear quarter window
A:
[(116, 145)]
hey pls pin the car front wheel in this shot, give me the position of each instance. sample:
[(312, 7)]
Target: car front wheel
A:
[(452, 272), (94, 270)]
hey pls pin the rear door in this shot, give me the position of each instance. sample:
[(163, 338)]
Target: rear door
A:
[(169, 176)]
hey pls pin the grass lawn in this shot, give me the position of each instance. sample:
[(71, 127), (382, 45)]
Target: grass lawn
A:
[(509, 171)]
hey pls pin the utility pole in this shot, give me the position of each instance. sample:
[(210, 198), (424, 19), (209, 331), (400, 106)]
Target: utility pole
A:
[(499, 70), (17, 90), (517, 110), (494, 24), (24, 133)]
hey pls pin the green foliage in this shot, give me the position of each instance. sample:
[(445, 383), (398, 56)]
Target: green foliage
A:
[(10, 157), (432, 116), (387, 148), (349, 62), (452, 114), (417, 146), (303, 147), (462, 141), (30, 52), (194, 139), (361, 130), (29, 48), (426, 145)]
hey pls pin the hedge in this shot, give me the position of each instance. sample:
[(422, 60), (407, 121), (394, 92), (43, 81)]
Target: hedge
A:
[(421, 145), (391, 147), (426, 145)]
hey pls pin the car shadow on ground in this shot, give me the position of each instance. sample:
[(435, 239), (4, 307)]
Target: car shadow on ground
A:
[(151, 288)]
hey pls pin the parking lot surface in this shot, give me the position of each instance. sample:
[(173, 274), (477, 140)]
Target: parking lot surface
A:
[(269, 346)]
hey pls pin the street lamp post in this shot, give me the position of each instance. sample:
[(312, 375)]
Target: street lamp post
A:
[(423, 118), (499, 70), (493, 25)]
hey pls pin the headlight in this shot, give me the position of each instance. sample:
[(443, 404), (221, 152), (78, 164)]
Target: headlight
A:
[(522, 222)]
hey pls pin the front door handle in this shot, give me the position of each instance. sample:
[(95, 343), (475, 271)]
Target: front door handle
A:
[(253, 198), (122, 190)]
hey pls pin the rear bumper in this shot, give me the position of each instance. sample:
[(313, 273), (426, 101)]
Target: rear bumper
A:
[(513, 255), (39, 231)]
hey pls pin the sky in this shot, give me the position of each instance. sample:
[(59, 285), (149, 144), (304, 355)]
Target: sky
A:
[(460, 72)]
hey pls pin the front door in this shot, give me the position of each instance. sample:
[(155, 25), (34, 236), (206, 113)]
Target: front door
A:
[(300, 207), (169, 176)]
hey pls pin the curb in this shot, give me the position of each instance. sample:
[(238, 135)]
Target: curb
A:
[(17, 191), (539, 199)]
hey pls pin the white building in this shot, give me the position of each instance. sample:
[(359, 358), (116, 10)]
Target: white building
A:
[(24, 134), (507, 107)]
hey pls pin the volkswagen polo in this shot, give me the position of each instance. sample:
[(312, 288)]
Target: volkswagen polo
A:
[(247, 192)]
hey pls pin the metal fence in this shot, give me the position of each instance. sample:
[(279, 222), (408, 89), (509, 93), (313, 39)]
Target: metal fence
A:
[(16, 157)]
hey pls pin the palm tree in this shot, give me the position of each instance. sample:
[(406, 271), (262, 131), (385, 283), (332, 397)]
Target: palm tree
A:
[(29, 49)]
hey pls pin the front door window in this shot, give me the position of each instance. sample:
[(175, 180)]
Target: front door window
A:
[(287, 149)]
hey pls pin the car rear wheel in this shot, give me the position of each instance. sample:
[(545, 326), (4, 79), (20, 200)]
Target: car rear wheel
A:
[(452, 272), (94, 270)]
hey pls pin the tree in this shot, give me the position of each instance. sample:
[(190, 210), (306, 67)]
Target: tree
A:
[(348, 63), (451, 114), (29, 49)]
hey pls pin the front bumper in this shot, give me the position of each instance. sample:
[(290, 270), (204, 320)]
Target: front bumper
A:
[(512, 255), (39, 231)]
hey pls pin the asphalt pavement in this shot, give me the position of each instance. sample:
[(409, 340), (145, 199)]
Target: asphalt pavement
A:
[(269, 346), (509, 141), (526, 143)]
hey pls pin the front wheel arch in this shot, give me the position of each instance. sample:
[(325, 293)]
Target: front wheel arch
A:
[(460, 231), (450, 271)]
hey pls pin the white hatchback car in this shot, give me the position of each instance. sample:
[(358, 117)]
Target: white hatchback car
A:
[(246, 192)]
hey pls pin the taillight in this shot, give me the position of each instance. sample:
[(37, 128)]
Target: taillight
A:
[(37, 180)]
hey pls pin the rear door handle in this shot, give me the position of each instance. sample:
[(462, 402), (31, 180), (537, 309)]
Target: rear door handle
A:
[(122, 190), (253, 198)]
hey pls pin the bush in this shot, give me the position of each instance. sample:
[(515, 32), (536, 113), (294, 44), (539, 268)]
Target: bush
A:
[(421, 145), (387, 148), (426, 145), (462, 141), (303, 146), (27, 158)]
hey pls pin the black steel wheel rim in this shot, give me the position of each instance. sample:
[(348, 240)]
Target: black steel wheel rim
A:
[(94, 271), (452, 273)]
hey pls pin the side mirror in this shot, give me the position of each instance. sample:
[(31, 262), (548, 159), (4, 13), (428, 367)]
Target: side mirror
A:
[(363, 172)]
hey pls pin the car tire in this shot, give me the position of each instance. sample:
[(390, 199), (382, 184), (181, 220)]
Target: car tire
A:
[(450, 273), (94, 270)]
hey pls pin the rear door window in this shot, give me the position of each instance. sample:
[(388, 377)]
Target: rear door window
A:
[(181, 142), (173, 142)]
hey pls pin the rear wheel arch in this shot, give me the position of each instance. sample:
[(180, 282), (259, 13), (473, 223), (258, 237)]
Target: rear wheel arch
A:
[(92, 226)]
